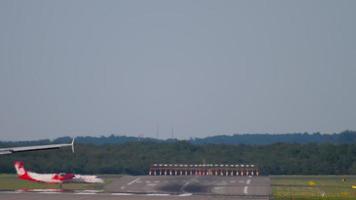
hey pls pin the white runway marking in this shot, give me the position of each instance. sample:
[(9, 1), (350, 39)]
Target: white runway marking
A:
[(323, 194), (134, 181), (158, 194), (151, 184), (84, 193), (248, 181), (245, 189), (122, 187), (184, 186), (121, 194), (233, 181), (185, 194), (43, 190), (92, 191)]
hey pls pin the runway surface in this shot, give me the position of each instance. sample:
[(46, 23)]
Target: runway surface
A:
[(216, 185), (163, 187)]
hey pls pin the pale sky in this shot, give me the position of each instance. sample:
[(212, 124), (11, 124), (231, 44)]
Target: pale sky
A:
[(70, 68)]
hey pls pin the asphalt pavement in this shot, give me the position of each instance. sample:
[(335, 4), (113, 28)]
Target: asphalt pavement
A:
[(162, 187)]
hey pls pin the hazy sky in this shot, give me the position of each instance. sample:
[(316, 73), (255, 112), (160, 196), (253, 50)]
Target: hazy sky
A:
[(200, 67)]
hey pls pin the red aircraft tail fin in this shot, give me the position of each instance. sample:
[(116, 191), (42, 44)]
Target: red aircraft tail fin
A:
[(20, 169)]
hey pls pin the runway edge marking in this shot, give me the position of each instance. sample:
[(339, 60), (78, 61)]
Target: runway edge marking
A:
[(245, 189), (134, 181)]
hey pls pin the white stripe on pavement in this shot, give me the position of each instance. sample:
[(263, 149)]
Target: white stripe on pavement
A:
[(245, 189), (185, 194), (134, 181), (158, 194), (121, 194)]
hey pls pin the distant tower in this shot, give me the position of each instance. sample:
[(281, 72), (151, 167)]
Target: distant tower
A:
[(172, 133), (157, 130)]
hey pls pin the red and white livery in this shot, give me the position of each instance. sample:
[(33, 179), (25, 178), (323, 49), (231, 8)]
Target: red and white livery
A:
[(56, 178)]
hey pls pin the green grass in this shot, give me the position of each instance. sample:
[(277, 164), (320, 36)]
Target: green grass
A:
[(313, 187), (11, 182)]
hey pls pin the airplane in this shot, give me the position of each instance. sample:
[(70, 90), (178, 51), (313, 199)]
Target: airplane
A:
[(11, 150), (54, 178)]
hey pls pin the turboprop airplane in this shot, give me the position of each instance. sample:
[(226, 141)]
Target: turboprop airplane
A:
[(55, 178), (11, 150)]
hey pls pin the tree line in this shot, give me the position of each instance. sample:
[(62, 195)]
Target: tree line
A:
[(345, 137)]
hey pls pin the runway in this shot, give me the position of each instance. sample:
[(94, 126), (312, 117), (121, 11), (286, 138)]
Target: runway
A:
[(201, 185), (163, 187)]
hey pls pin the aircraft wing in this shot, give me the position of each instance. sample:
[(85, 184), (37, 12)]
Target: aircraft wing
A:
[(11, 150)]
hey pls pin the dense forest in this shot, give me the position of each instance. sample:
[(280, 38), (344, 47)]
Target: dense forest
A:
[(345, 137), (136, 157)]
